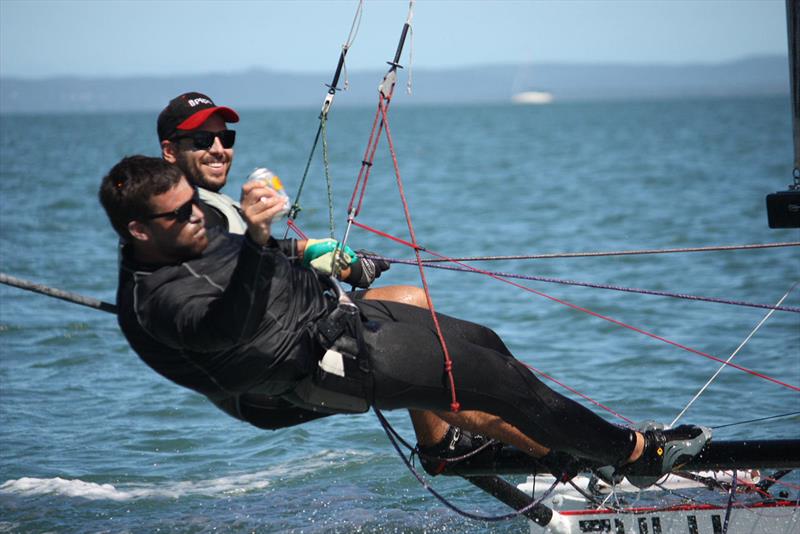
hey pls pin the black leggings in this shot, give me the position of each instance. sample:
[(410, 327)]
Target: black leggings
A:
[(408, 372)]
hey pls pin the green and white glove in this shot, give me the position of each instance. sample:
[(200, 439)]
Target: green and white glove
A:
[(319, 255)]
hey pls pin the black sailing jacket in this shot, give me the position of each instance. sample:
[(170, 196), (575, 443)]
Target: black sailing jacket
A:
[(234, 324)]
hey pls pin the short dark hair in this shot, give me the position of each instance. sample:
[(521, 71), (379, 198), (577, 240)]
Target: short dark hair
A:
[(126, 190)]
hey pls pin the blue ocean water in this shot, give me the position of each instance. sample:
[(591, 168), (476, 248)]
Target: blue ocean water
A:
[(91, 440)]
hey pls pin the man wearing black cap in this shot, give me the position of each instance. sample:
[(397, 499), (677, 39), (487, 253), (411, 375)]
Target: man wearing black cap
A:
[(194, 135)]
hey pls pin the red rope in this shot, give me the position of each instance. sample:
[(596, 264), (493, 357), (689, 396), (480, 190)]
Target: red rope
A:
[(576, 392), (448, 362), (366, 165), (595, 314), (545, 375), (354, 208), (360, 188), (290, 223)]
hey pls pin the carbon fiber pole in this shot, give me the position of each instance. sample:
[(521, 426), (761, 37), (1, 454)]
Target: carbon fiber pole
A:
[(792, 27), (57, 293)]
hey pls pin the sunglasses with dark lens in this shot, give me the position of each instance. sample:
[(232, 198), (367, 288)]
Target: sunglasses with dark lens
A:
[(203, 140), (180, 214)]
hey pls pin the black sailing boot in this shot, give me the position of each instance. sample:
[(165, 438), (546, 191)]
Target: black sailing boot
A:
[(612, 475), (455, 444), (665, 450), (561, 465)]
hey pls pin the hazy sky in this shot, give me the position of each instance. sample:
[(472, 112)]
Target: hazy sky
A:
[(116, 38)]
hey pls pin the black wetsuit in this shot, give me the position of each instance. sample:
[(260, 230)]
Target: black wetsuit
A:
[(204, 324), (240, 321)]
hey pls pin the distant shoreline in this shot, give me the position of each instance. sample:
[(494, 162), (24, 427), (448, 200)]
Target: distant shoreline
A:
[(410, 104), (262, 89)]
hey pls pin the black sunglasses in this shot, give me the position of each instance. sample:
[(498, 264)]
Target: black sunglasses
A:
[(203, 140), (182, 213)]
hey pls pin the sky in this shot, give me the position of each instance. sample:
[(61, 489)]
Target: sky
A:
[(116, 38)]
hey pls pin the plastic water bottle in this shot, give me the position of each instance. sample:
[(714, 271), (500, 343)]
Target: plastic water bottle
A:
[(271, 180)]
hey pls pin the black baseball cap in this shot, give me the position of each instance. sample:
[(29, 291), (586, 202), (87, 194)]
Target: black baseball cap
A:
[(187, 112)]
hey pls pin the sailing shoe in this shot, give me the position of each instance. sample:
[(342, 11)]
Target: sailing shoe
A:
[(561, 465), (665, 450), (608, 474), (644, 426), (455, 444), (612, 475)]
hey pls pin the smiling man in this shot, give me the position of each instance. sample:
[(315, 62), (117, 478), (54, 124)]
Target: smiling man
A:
[(194, 135)]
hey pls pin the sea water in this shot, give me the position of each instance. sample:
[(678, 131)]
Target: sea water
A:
[(91, 440)]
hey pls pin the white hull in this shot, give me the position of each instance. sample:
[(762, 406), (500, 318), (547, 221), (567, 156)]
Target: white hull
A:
[(656, 511)]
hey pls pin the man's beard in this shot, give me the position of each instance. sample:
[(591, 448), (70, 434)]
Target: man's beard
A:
[(195, 175)]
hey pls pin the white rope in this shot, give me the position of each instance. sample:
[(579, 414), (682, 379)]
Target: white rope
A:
[(351, 37), (746, 340), (411, 47)]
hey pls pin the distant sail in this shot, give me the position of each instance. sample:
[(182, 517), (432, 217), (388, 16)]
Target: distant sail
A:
[(532, 97)]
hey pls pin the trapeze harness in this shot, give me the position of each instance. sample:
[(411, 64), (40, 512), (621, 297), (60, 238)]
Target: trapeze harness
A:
[(226, 207)]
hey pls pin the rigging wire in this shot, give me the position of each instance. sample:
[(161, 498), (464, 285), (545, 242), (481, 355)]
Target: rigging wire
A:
[(323, 117), (760, 419), (381, 122), (576, 392), (409, 80), (450, 459), (732, 356), (584, 310), (328, 181), (559, 255), (729, 507), (641, 291), (516, 513), (448, 363)]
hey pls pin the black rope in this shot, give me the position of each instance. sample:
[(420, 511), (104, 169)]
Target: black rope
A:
[(326, 105), (684, 296), (606, 253), (414, 450), (729, 507), (389, 433), (756, 420)]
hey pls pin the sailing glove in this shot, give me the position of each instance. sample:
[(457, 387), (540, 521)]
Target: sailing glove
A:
[(319, 255), (367, 267)]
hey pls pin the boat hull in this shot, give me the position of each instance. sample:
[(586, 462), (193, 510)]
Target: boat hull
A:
[(678, 505)]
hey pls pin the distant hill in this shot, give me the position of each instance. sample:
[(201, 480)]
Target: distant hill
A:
[(764, 75)]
